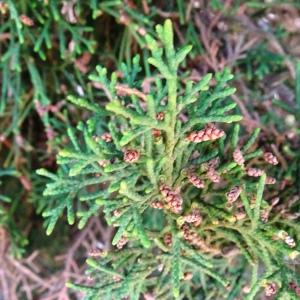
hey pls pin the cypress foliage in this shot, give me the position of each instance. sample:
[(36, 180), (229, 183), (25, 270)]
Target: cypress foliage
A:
[(128, 155)]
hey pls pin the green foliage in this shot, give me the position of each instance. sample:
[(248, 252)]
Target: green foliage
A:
[(125, 158)]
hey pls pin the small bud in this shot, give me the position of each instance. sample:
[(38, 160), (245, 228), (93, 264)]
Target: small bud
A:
[(254, 172), (209, 133), (270, 289), (122, 242), (246, 289), (275, 201), (240, 216), (270, 158), (160, 267), (292, 285), (165, 190), (116, 213), (124, 19), (142, 31), (238, 157), (233, 194), (293, 255), (26, 20), (187, 276), (106, 137), (264, 216), (116, 278), (131, 155), (160, 116), (196, 180), (148, 296)]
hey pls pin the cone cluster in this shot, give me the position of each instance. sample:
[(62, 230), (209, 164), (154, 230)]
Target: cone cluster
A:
[(209, 133)]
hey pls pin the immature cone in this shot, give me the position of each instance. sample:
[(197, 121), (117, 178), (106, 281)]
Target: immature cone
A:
[(106, 137), (238, 157), (157, 204), (196, 180), (96, 253), (292, 285), (233, 194), (209, 133), (122, 242), (131, 155), (254, 172), (271, 289), (168, 239), (173, 199), (213, 175), (156, 133), (160, 116), (142, 31), (117, 213), (270, 158), (240, 216), (26, 20), (270, 180)]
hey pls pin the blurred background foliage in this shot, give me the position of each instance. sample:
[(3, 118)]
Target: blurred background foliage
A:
[(47, 48)]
